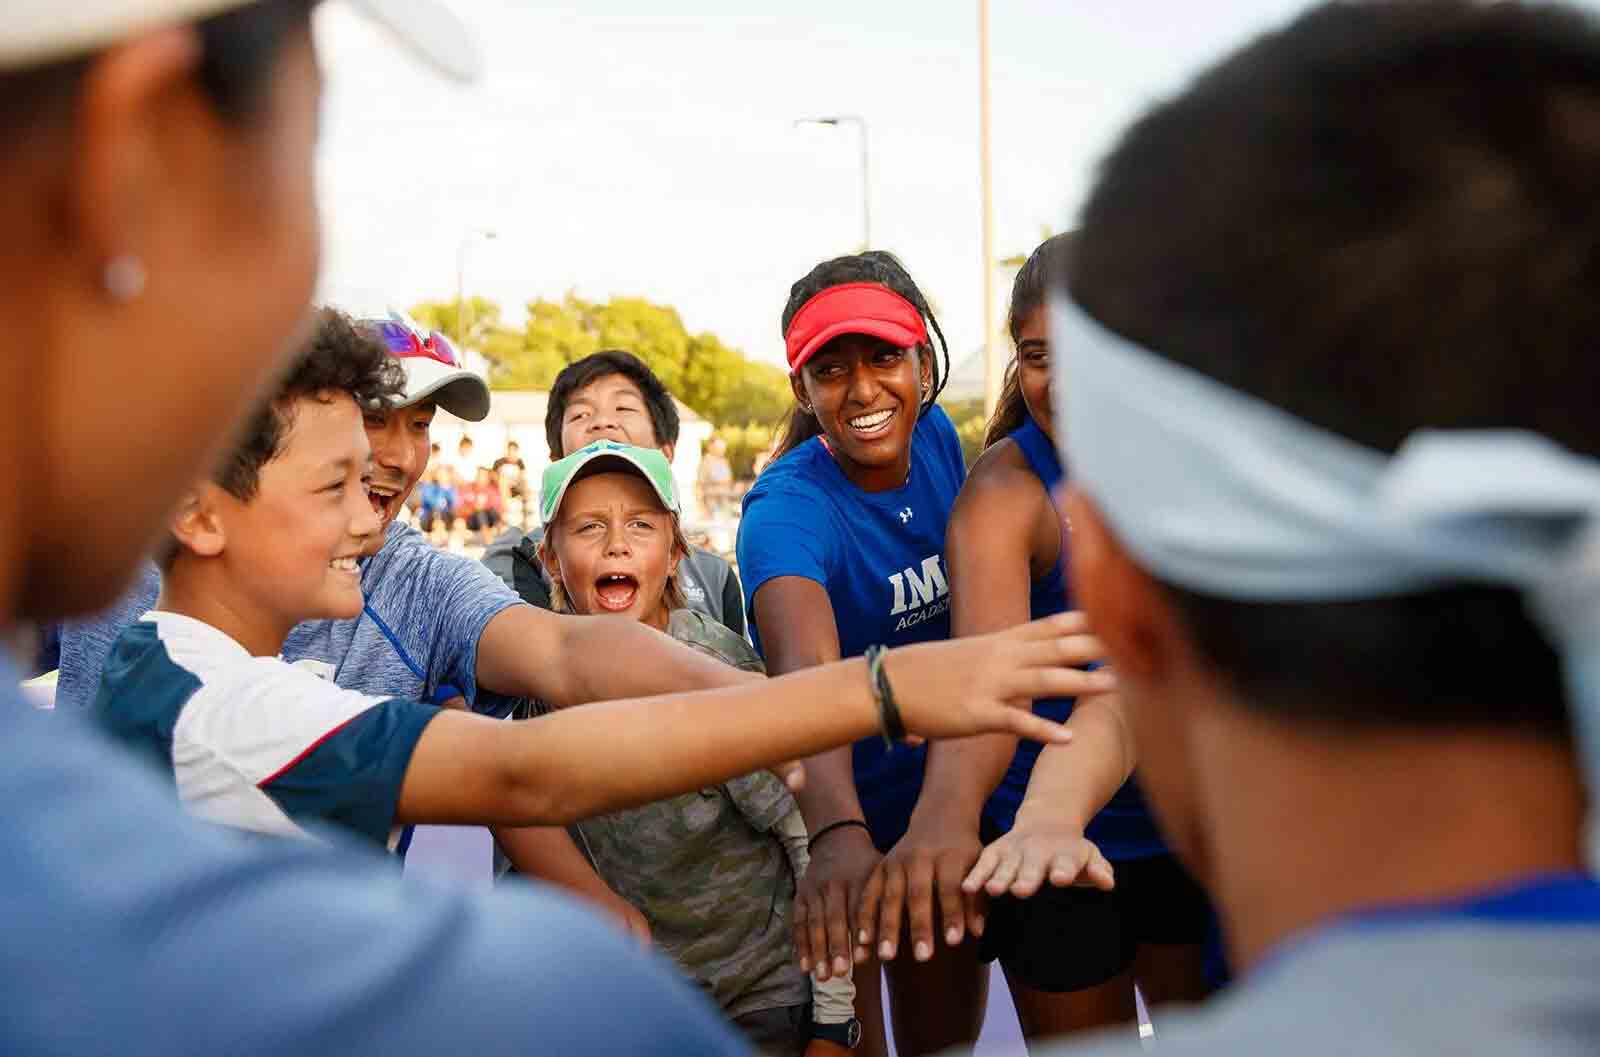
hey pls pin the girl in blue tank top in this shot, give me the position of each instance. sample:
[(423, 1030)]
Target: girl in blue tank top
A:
[(841, 547), (1133, 911)]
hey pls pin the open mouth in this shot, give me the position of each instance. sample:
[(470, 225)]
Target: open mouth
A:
[(874, 424), (383, 499), (345, 565), (616, 592)]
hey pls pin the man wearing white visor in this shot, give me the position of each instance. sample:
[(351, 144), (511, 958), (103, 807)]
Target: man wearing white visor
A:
[(1326, 368)]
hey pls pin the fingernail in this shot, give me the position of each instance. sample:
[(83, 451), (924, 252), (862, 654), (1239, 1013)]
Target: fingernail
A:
[(862, 936), (841, 966), (822, 974), (977, 926), (952, 936), (923, 951), (805, 965), (861, 954), (886, 951)]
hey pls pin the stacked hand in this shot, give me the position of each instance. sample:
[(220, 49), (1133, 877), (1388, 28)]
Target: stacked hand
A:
[(827, 896), (1037, 850), (924, 868)]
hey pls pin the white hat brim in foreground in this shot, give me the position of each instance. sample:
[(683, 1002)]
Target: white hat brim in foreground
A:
[(37, 32), (459, 391)]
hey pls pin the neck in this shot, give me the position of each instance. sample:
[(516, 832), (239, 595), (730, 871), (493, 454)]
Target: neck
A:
[(660, 619), (199, 588), (1336, 821), (872, 478)]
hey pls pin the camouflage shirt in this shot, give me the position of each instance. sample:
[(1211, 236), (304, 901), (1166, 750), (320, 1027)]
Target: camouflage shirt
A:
[(706, 870)]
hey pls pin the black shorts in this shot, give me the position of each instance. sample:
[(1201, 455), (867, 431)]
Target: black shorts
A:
[(1067, 939)]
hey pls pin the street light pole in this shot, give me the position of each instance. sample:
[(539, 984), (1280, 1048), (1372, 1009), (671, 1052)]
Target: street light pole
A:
[(461, 278), (993, 367), (866, 166)]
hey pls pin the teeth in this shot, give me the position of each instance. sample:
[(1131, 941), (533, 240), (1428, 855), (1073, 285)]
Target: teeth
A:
[(877, 418), (344, 564)]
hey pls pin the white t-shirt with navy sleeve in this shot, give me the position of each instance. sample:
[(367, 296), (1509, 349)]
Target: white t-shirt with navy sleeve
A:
[(256, 742), (417, 636)]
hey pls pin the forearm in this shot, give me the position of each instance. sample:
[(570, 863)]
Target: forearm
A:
[(548, 853), (829, 794), (1074, 780), (655, 663), (571, 660), (665, 746), (960, 776)]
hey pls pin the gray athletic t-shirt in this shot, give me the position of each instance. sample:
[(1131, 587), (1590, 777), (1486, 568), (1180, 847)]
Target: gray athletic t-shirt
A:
[(417, 638), (1513, 975)]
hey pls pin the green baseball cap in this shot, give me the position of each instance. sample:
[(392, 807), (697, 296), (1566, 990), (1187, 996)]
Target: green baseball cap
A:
[(646, 462)]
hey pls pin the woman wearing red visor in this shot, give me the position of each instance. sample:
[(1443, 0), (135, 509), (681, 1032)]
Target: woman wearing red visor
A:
[(842, 548)]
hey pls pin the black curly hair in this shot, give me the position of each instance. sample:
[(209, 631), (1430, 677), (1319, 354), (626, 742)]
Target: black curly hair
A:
[(874, 266), (338, 359)]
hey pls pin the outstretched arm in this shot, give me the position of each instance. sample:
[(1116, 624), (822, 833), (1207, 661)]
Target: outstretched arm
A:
[(571, 660), (582, 762)]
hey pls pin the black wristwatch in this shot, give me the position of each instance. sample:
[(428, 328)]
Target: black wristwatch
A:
[(847, 1034)]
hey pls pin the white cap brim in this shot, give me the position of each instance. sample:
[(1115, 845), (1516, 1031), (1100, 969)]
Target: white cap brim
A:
[(35, 32), (459, 391)]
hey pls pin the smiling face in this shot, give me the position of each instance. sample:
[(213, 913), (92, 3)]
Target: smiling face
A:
[(609, 408), (867, 395), (1033, 367), (400, 449), (292, 547), (613, 546)]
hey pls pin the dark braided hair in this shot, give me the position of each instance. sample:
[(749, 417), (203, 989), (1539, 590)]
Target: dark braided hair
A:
[(874, 266), (1046, 267)]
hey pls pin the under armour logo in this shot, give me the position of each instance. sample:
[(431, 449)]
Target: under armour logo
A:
[(906, 515)]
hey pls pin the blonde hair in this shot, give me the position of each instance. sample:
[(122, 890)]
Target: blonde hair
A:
[(672, 594)]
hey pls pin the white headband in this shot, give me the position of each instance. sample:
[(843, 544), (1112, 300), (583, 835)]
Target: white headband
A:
[(1225, 494)]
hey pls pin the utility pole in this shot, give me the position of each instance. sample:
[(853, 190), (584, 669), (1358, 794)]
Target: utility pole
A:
[(993, 358)]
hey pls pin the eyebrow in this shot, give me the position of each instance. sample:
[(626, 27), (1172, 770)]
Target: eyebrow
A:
[(1031, 343)]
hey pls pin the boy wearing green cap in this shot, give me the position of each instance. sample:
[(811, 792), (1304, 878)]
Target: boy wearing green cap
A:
[(714, 870)]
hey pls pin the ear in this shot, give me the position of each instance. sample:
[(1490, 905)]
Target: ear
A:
[(548, 558), (1144, 636), (669, 450), (797, 383), (925, 361), (124, 106), (198, 522)]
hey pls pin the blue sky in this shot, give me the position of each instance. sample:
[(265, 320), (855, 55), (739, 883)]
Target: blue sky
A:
[(617, 150)]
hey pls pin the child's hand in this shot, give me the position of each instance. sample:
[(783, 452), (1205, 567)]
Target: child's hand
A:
[(987, 684), (1036, 850)]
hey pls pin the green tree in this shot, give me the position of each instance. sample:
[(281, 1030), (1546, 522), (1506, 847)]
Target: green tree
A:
[(711, 377)]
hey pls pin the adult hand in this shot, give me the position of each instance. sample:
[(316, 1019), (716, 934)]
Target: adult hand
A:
[(927, 865), (826, 898), (987, 683), (1037, 849)]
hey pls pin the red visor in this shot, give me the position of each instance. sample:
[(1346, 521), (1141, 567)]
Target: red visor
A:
[(853, 308)]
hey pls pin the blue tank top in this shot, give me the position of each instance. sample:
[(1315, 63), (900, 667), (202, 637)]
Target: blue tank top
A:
[(1123, 829)]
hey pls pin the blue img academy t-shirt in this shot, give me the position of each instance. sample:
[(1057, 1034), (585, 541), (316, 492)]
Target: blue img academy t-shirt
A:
[(416, 639), (880, 557)]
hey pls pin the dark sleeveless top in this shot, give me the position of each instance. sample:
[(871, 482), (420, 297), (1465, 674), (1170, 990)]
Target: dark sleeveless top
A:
[(1123, 829)]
